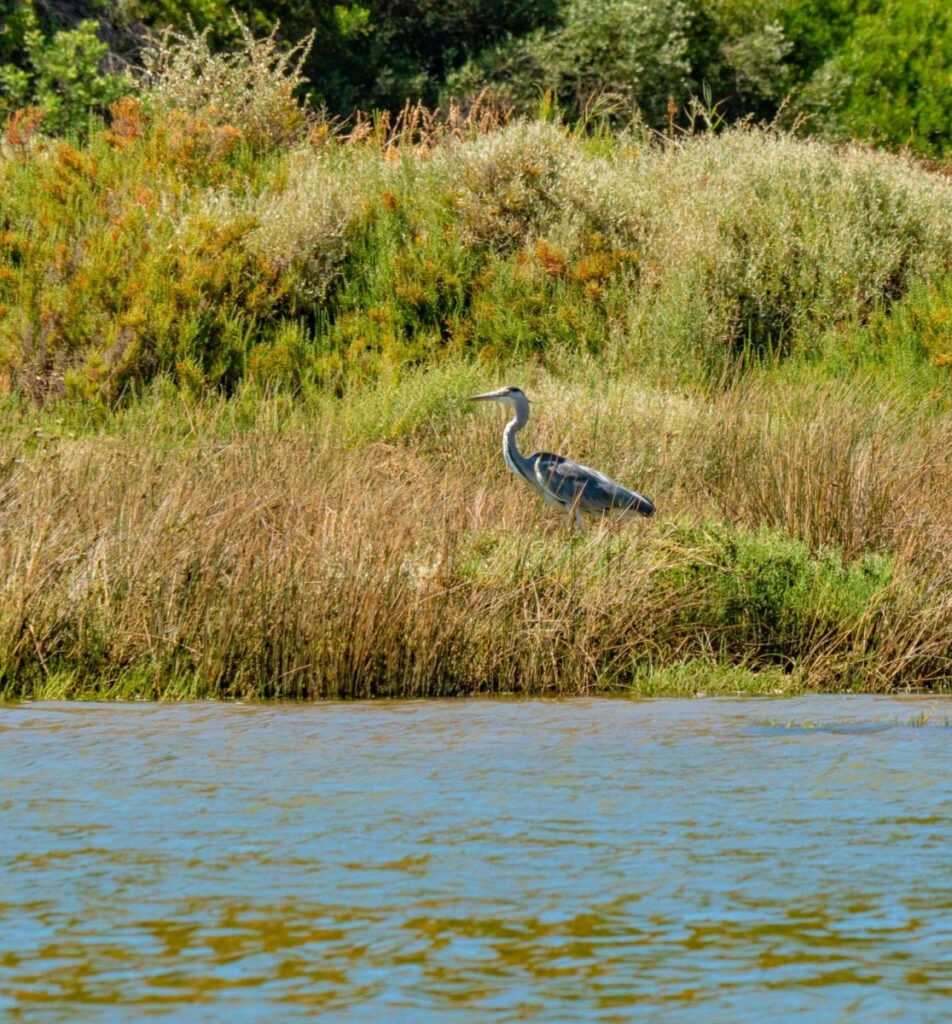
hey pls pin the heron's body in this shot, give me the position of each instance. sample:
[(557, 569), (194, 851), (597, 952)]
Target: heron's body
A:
[(567, 485)]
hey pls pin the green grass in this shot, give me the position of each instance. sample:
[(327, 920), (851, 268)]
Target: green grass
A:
[(706, 678)]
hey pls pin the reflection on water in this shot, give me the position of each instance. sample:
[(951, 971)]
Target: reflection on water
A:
[(477, 861)]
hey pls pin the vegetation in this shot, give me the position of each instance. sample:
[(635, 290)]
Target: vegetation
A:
[(182, 244), (236, 459), (58, 73), (877, 69), (372, 546)]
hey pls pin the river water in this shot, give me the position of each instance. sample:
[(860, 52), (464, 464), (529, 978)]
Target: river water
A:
[(477, 861)]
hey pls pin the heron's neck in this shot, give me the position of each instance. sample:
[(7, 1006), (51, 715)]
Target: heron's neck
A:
[(514, 458)]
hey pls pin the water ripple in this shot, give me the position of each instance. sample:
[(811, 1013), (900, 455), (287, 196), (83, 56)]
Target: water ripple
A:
[(477, 861)]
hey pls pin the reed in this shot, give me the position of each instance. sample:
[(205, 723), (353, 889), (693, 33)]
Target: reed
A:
[(265, 547)]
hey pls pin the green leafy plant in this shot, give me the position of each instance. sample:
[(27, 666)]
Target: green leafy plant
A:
[(890, 80), (61, 73)]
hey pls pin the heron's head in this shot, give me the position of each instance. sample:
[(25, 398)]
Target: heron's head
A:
[(511, 396)]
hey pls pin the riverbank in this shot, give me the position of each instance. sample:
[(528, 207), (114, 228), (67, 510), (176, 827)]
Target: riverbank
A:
[(236, 458), (285, 547)]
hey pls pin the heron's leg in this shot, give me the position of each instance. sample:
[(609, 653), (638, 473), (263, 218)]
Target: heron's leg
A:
[(574, 515), (571, 516), (573, 521)]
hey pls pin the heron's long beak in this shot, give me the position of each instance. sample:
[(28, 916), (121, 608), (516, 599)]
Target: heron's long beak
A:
[(493, 396)]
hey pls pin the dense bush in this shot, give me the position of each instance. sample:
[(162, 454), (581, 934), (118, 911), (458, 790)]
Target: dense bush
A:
[(889, 82), (179, 242), (629, 54), (58, 73), (876, 69), (373, 54)]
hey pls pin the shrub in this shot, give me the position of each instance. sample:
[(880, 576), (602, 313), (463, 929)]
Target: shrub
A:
[(767, 238), (507, 185), (164, 247), (756, 60), (767, 597), (303, 224), (59, 73), (251, 88), (630, 54), (890, 80), (116, 268), (921, 322), (632, 50)]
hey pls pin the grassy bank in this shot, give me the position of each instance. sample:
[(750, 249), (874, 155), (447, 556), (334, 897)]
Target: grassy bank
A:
[(235, 458), (375, 546)]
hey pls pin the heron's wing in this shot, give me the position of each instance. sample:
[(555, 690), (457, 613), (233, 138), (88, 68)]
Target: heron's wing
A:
[(581, 487)]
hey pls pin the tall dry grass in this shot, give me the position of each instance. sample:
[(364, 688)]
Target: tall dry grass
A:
[(295, 558)]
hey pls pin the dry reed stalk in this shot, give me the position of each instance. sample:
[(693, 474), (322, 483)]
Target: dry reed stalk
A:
[(274, 564)]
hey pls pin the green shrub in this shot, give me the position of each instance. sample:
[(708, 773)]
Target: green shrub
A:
[(632, 50), (768, 597), (921, 322), (59, 73), (632, 54), (890, 80)]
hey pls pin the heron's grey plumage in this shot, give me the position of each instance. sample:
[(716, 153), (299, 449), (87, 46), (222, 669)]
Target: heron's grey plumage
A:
[(559, 481)]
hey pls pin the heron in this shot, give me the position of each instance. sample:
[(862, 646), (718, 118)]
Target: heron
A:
[(568, 485)]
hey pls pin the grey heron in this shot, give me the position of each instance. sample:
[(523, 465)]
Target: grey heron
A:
[(559, 481)]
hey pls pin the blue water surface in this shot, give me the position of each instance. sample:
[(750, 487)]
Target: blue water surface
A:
[(477, 861)]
